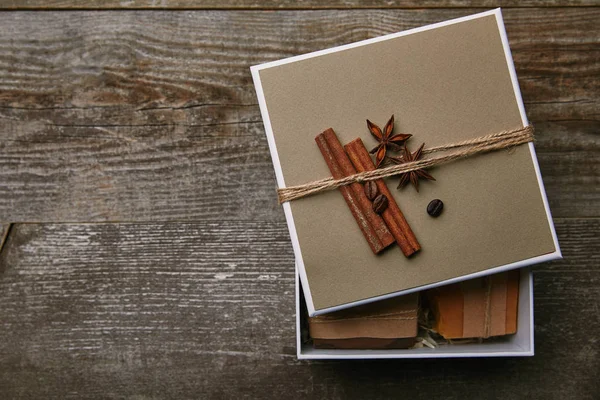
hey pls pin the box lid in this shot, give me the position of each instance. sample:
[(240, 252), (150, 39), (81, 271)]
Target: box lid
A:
[(445, 82)]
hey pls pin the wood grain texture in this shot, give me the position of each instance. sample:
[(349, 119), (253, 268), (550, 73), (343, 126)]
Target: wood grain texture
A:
[(102, 121), (274, 4), (148, 116), (206, 310)]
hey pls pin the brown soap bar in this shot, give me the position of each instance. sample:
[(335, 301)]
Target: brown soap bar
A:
[(477, 308), (371, 326)]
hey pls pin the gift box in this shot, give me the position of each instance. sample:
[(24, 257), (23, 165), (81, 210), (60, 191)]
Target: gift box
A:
[(519, 344), (471, 201)]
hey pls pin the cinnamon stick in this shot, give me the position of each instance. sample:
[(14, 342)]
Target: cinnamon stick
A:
[(371, 225), (393, 217), (382, 231)]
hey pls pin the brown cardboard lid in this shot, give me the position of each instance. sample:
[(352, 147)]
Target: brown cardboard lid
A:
[(443, 85)]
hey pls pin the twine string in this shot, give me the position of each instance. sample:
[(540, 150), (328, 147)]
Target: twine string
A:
[(463, 149)]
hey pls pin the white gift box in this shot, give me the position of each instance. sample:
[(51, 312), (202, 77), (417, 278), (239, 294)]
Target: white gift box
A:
[(519, 344)]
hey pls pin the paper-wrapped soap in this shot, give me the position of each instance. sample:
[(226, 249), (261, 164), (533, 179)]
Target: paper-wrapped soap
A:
[(390, 323), (476, 308)]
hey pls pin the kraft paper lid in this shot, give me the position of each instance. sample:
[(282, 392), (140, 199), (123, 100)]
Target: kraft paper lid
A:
[(443, 85)]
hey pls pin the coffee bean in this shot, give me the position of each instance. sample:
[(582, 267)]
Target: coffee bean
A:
[(380, 204), (371, 190), (435, 207)]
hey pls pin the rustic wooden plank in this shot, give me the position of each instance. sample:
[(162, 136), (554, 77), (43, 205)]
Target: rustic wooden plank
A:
[(166, 310), (569, 157), (102, 122), (273, 4)]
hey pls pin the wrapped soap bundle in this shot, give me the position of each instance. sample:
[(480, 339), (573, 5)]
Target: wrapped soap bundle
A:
[(388, 324), (477, 308)]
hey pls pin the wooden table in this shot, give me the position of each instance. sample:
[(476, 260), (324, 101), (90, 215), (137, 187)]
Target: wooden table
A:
[(144, 253)]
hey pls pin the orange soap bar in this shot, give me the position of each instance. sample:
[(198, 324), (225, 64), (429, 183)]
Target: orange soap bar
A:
[(477, 308)]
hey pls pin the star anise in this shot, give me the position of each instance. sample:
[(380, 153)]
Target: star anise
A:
[(411, 176), (385, 139)]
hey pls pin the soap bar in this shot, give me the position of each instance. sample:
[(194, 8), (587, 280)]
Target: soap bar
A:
[(477, 308), (390, 323)]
